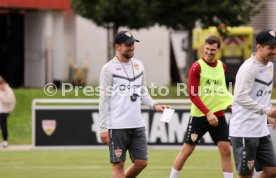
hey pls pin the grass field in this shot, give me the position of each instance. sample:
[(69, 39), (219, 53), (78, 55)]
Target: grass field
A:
[(87, 163), (20, 119), (95, 164)]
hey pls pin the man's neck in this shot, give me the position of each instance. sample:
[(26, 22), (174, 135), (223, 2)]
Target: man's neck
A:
[(122, 58), (209, 62), (260, 58)]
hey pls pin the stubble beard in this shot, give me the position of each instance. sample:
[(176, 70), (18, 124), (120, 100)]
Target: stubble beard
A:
[(128, 55), (210, 58)]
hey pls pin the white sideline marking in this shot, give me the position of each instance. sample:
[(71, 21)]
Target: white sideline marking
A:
[(158, 147), (59, 167)]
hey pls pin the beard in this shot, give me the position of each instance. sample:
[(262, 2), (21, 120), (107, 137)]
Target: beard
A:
[(128, 55), (209, 58)]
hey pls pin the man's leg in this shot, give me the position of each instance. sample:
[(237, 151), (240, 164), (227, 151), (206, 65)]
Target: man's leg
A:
[(117, 150), (181, 158), (266, 158), (268, 172), (135, 169), (196, 128), (225, 155), (220, 136), (244, 150), (245, 176), (118, 170), (138, 151)]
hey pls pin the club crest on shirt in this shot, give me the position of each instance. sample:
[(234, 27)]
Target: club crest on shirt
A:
[(194, 137), (136, 66), (250, 164), (49, 126), (118, 152)]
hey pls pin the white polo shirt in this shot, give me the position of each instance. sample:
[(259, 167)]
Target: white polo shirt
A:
[(252, 95), (118, 82)]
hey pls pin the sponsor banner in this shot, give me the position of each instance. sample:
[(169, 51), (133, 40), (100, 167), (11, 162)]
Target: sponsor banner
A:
[(79, 127)]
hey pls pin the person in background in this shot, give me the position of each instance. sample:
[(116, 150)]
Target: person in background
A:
[(7, 104)]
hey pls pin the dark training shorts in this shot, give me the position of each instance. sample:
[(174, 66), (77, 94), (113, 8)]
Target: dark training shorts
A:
[(253, 152), (134, 140), (198, 126)]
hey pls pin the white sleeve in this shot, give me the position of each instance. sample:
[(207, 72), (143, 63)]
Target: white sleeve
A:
[(244, 83), (104, 100), (145, 96)]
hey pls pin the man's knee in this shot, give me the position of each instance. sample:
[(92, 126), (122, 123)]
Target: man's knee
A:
[(225, 149), (269, 171), (140, 164), (118, 166), (187, 150)]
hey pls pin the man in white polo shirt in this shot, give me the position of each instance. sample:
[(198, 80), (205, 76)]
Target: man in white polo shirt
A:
[(122, 127), (251, 108)]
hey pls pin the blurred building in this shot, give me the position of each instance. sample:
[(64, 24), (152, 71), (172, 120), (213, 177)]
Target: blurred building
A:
[(40, 39), (266, 18), (29, 32)]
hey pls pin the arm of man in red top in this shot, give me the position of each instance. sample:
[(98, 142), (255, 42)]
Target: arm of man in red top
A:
[(193, 85)]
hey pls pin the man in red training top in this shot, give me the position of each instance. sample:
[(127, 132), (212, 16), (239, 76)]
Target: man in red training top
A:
[(210, 97)]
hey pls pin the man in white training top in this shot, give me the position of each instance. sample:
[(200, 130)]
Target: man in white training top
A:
[(123, 88), (251, 108)]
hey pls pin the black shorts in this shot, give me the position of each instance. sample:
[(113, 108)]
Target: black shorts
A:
[(253, 152), (198, 126), (134, 140)]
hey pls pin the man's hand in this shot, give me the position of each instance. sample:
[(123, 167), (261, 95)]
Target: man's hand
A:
[(272, 112), (212, 119), (159, 107), (229, 107), (272, 121), (105, 137)]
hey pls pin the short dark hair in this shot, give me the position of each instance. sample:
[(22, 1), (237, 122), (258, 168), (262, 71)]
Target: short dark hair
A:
[(212, 40), (2, 80)]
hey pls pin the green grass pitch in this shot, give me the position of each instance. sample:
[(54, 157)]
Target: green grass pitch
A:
[(95, 164)]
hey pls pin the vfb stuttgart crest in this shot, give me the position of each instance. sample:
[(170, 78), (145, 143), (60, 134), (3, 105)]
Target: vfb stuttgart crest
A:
[(49, 126), (136, 66), (194, 136), (118, 152), (250, 164)]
